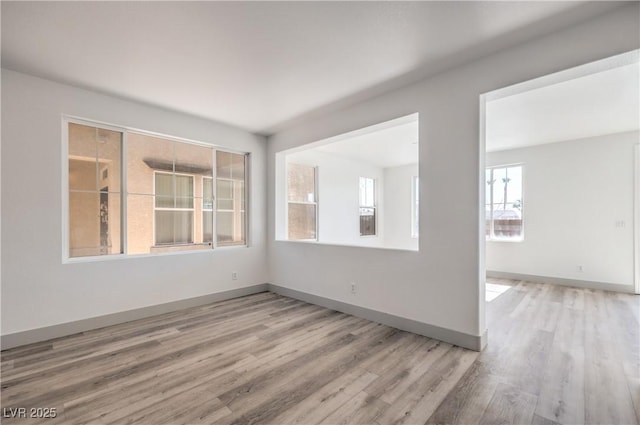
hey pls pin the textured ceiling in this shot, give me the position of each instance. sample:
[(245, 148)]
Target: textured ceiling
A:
[(597, 104)]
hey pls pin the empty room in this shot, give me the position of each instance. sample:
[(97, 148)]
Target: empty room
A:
[(320, 212)]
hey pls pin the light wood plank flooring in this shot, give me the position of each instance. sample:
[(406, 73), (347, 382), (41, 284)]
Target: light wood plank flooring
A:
[(556, 355)]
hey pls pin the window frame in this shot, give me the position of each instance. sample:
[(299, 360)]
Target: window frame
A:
[(491, 237), (124, 193), (374, 206), (192, 209), (211, 210), (66, 216), (415, 207), (316, 203)]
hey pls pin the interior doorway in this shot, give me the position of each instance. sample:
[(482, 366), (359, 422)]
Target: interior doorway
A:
[(560, 178)]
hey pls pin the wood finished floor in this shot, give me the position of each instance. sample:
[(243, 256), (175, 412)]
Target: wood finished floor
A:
[(555, 355)]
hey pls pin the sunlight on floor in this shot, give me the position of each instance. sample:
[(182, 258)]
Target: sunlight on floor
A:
[(494, 290)]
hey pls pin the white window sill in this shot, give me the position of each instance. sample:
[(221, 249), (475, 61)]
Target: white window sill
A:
[(505, 240), (315, 242), (115, 257)]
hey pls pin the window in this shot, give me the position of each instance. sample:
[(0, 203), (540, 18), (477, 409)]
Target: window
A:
[(164, 182), (230, 211), (135, 193), (301, 202), (94, 191), (174, 209), (367, 206), (415, 207), (207, 209), (503, 203)]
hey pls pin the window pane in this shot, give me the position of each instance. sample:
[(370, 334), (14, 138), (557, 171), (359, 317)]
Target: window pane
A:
[(230, 228), (207, 193), (367, 221), (193, 167), (207, 226), (367, 192), (507, 227), (487, 215), (225, 204), (302, 221), (230, 214), (193, 159), (174, 227), (170, 186), (82, 174), (224, 189), (301, 183), (94, 158), (140, 222), (499, 185), (514, 187), (224, 227), (146, 155), (223, 164), (164, 190), (182, 226), (95, 211), (164, 227), (243, 199), (367, 211), (109, 159), (94, 224), (487, 192), (237, 166), (505, 209), (516, 228), (83, 157), (184, 191)]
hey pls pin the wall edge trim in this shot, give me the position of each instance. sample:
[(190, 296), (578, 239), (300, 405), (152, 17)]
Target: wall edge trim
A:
[(588, 284), (31, 336), (472, 342), (20, 338)]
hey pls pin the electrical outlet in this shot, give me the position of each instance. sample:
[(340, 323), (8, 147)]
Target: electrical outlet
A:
[(234, 275), (620, 224), (352, 285)]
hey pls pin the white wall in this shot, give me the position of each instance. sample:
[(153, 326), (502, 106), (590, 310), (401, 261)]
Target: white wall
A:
[(574, 193), (338, 195), (37, 289), (443, 283), (398, 184)]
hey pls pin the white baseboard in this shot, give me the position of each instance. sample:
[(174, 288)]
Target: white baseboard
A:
[(561, 281), (63, 329), (472, 342)]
